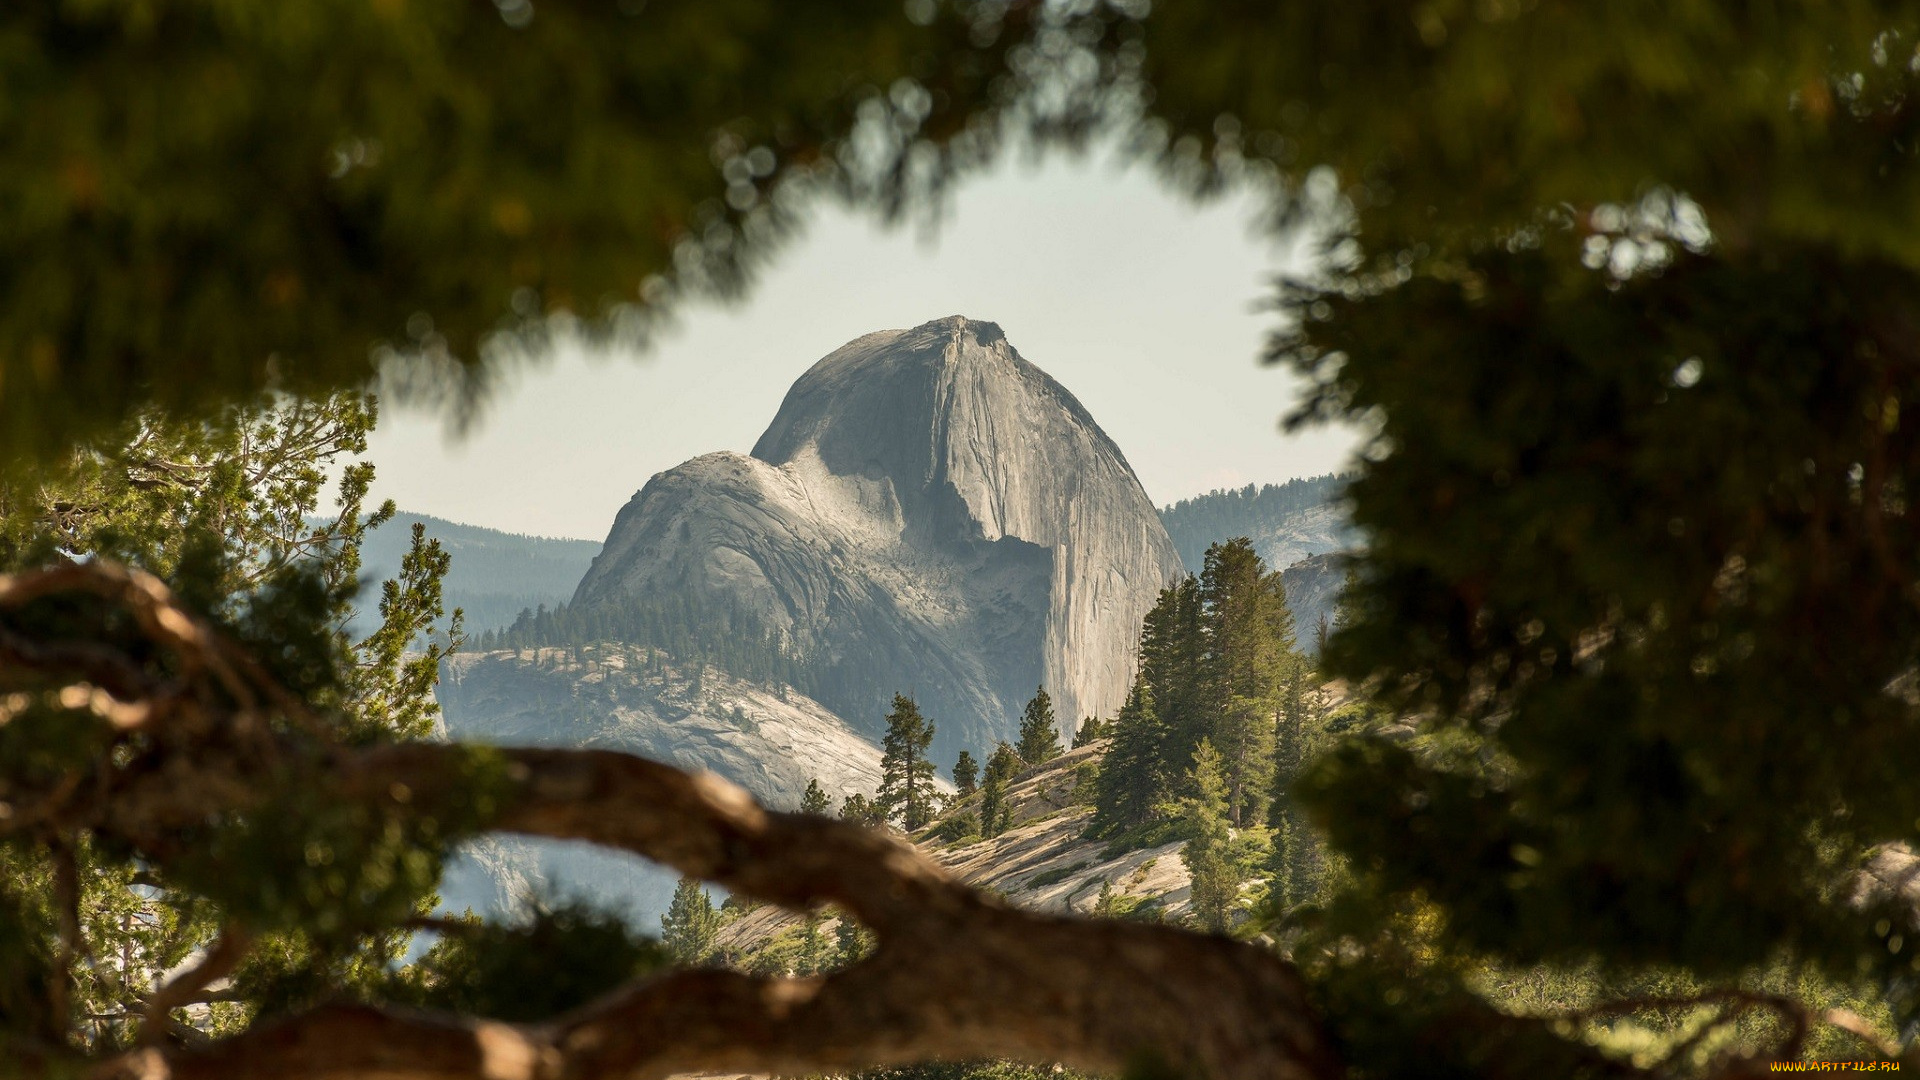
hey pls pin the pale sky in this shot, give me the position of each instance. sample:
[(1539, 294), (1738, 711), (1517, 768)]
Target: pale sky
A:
[(1143, 305)]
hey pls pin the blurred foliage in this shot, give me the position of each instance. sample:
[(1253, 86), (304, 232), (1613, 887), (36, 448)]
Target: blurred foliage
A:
[(1641, 554), (204, 197), (224, 510), (562, 956)]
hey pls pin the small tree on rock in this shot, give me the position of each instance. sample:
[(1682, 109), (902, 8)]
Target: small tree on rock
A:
[(1002, 765), (1216, 854), (688, 928), (906, 785), (814, 800), (1039, 737), (966, 774)]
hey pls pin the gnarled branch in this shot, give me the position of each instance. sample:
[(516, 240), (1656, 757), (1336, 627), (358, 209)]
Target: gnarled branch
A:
[(954, 974)]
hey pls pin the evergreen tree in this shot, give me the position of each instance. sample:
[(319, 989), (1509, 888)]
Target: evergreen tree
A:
[(1002, 765), (1133, 781), (1250, 649), (1039, 735), (1174, 664), (1216, 854), (814, 800), (1092, 729), (906, 784), (688, 928), (860, 810), (1297, 854), (853, 941), (966, 774)]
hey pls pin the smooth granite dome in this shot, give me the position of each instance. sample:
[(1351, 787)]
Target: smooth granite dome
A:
[(929, 513)]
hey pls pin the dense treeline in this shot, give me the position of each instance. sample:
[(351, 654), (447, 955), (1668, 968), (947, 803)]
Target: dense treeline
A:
[(688, 628), (1194, 524), (494, 575), (1214, 728)]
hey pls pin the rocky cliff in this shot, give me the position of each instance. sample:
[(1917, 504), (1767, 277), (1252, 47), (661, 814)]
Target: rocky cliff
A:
[(620, 697), (928, 513)]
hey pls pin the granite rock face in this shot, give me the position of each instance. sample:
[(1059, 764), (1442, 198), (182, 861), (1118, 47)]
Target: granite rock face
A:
[(928, 513), (1313, 592), (620, 697), (616, 697)]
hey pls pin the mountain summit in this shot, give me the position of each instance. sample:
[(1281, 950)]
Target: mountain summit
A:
[(927, 513)]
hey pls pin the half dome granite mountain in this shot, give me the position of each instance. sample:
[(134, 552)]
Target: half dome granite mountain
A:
[(928, 513)]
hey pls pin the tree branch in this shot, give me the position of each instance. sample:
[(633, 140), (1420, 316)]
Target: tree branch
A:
[(954, 974), (184, 989)]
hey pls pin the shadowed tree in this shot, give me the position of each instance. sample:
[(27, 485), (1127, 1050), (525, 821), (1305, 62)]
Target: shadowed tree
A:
[(1039, 734), (691, 921), (814, 800), (966, 774), (1002, 765), (906, 776)]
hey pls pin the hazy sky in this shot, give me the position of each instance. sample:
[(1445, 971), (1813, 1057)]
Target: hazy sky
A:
[(1142, 304)]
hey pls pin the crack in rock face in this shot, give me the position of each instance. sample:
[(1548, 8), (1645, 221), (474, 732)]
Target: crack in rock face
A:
[(928, 513)]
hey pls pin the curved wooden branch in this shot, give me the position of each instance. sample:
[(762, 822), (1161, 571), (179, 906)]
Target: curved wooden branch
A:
[(953, 974)]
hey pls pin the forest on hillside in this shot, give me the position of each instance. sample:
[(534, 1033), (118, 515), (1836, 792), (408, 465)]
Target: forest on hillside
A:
[(494, 575), (1258, 513)]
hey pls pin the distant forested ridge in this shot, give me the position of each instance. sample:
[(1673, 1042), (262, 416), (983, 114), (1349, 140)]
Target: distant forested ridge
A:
[(1286, 522), (683, 626), (495, 575)]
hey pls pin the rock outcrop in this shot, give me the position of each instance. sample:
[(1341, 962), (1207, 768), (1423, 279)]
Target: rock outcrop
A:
[(928, 513), (1313, 592), (626, 698)]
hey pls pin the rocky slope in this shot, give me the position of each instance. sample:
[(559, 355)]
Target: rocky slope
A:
[(1313, 589), (1043, 862), (625, 698), (928, 513)]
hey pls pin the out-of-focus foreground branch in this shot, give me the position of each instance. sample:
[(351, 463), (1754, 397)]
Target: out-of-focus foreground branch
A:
[(953, 974)]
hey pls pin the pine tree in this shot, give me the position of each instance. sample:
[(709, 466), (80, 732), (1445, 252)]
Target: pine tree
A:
[(1092, 729), (1249, 643), (814, 800), (1133, 780), (853, 940), (860, 810), (1173, 662), (906, 785), (966, 774), (688, 928), (1002, 765), (1210, 854), (1039, 736)]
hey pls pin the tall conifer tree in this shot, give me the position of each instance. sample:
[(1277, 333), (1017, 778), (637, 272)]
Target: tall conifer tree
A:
[(906, 785), (1002, 765), (687, 929), (1132, 781), (1249, 641), (1039, 737), (966, 774)]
